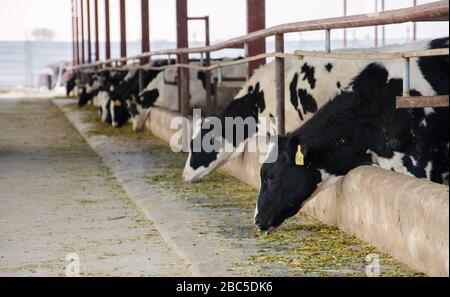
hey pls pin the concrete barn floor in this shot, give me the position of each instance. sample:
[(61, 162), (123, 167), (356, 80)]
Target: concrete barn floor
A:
[(58, 198), (117, 200)]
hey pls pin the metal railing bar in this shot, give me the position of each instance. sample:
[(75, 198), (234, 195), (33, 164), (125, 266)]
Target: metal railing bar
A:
[(375, 56), (432, 11)]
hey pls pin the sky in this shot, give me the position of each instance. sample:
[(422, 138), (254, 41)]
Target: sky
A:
[(18, 18)]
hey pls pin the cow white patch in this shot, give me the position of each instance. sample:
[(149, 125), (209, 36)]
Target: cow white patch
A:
[(138, 121), (113, 115), (429, 111), (395, 163), (103, 101), (423, 124), (328, 179), (256, 211), (428, 170)]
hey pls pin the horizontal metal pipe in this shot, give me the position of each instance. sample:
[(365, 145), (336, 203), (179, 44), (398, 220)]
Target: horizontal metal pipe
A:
[(423, 102), (298, 56), (376, 56)]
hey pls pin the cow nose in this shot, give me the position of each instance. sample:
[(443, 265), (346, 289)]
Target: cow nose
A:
[(258, 223), (186, 177)]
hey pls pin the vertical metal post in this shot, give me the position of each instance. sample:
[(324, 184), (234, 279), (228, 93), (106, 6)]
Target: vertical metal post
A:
[(107, 32), (77, 34), (345, 30), (89, 49), (328, 41), (83, 58), (280, 84), (182, 42), (210, 103), (74, 48), (97, 42), (123, 29), (256, 20), (406, 77), (376, 27), (145, 30), (415, 24), (383, 28)]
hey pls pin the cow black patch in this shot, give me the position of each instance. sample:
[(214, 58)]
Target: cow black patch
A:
[(435, 69), (329, 67), (70, 85), (148, 98), (308, 102), (201, 75), (203, 158), (417, 170), (294, 96), (248, 106), (309, 74), (133, 109)]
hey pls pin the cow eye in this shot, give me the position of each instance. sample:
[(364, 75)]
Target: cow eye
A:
[(268, 178)]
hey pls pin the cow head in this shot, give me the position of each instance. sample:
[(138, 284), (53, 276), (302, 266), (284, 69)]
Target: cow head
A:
[(286, 184), (139, 108), (201, 162), (85, 97), (119, 113), (71, 84)]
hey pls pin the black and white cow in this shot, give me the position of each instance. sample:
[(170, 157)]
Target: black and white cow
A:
[(112, 83), (91, 89), (361, 126), (310, 84), (121, 98), (162, 94)]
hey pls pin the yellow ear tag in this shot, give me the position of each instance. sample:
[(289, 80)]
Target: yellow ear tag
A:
[(299, 157), (117, 103)]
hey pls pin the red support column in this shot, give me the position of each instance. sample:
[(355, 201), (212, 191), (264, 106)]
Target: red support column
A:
[(183, 42), (256, 20), (74, 58), (89, 49), (145, 29), (83, 58), (107, 32), (280, 82), (77, 35), (97, 42), (123, 29), (345, 30)]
